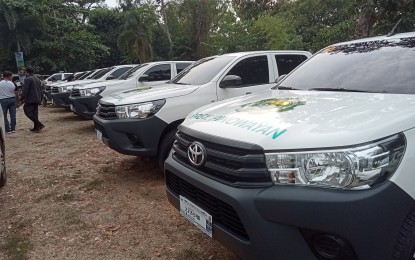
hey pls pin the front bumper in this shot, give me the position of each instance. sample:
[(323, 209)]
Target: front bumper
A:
[(61, 99), (85, 107), (138, 137), (283, 222)]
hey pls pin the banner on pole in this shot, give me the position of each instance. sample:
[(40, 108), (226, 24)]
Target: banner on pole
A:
[(19, 59)]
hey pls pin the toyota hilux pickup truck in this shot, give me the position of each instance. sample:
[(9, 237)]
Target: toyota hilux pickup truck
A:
[(319, 167), (60, 93), (143, 122), (84, 99), (47, 92)]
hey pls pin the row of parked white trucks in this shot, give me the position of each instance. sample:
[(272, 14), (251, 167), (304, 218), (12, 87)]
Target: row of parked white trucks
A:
[(273, 160)]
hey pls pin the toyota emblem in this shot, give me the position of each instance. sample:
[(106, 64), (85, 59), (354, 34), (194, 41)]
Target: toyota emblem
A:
[(196, 154)]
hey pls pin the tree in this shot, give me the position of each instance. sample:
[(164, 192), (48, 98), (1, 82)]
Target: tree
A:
[(137, 33)]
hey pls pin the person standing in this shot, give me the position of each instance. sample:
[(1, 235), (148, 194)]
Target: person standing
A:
[(8, 97), (32, 97)]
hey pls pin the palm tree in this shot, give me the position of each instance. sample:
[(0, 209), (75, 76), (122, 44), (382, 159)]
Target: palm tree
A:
[(135, 39)]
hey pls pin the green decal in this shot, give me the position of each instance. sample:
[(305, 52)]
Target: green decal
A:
[(282, 104)]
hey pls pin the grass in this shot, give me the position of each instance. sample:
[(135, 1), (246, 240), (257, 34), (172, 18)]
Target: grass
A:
[(16, 247)]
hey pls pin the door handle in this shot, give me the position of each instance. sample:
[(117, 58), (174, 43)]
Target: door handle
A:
[(247, 93)]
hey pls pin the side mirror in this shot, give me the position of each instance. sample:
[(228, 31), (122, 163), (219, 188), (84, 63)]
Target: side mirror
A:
[(231, 81), (110, 77), (280, 78), (143, 77)]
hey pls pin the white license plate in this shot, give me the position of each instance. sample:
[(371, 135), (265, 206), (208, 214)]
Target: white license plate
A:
[(196, 215), (72, 108), (99, 135)]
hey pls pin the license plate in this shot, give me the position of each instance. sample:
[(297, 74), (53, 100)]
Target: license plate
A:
[(72, 108), (99, 135), (196, 215)]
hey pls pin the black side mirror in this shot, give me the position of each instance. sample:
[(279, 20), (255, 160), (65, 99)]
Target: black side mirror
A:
[(143, 78), (110, 77), (231, 81), (280, 78)]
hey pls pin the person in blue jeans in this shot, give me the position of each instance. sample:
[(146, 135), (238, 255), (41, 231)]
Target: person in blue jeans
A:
[(8, 98)]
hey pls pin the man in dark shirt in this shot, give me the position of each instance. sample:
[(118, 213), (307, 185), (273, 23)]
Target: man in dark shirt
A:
[(31, 97)]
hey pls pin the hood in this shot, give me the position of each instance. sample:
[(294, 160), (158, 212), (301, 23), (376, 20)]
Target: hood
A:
[(145, 94), (280, 119), (105, 83), (78, 83)]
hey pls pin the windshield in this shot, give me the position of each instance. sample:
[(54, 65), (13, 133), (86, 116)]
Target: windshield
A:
[(85, 75), (202, 71), (385, 66), (101, 73), (128, 74)]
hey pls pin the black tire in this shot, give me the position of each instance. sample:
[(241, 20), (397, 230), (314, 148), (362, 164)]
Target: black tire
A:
[(3, 171), (405, 244), (165, 147)]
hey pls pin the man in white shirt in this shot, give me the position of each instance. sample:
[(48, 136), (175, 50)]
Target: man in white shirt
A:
[(8, 98)]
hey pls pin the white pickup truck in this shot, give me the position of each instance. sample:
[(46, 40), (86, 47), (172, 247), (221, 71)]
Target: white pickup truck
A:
[(84, 99), (143, 122), (320, 167)]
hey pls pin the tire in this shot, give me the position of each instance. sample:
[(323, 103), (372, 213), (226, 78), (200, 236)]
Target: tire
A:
[(405, 244), (165, 147), (3, 172)]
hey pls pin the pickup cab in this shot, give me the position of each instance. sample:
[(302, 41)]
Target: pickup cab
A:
[(60, 93), (84, 99), (143, 122), (319, 167)]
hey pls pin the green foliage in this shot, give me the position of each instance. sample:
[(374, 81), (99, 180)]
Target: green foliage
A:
[(137, 34), (84, 34), (278, 32)]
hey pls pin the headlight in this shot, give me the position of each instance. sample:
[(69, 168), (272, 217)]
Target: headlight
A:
[(65, 89), (358, 167), (91, 91), (142, 110)]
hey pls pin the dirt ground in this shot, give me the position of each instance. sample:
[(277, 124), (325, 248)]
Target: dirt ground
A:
[(68, 196)]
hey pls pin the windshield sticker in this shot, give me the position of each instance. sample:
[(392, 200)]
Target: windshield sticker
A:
[(248, 125), (281, 104)]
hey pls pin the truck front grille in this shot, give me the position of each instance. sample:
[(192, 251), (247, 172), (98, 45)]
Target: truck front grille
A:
[(106, 111), (55, 89), (75, 92), (222, 213), (231, 165)]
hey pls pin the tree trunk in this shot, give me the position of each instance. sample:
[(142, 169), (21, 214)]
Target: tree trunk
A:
[(166, 26)]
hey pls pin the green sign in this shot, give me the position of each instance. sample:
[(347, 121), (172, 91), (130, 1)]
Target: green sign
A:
[(19, 59)]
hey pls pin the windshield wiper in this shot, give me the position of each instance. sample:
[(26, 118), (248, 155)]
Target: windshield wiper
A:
[(339, 90), (285, 88), (181, 83)]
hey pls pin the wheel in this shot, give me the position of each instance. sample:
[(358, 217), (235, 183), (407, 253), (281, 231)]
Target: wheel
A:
[(165, 147), (405, 244), (3, 172)]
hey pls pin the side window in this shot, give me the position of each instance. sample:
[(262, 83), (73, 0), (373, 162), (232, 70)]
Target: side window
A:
[(253, 70), (56, 77), (159, 73), (181, 66), (286, 63), (119, 72)]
